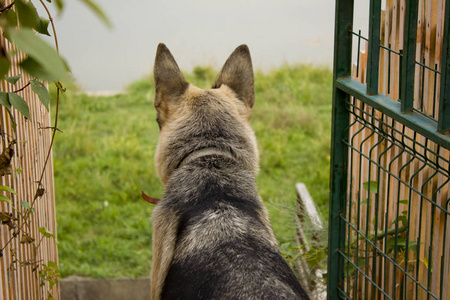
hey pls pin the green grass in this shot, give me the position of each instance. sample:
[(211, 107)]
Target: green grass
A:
[(104, 157)]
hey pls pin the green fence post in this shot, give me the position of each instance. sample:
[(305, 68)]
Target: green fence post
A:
[(339, 157), (408, 60), (373, 57), (444, 101)]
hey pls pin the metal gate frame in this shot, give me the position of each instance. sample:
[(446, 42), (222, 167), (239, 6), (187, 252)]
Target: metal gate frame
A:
[(345, 87)]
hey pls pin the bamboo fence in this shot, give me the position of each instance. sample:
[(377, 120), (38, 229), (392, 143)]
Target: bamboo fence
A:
[(398, 183), (19, 278)]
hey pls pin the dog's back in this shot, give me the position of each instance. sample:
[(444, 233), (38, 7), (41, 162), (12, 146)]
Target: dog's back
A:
[(211, 233), (224, 249)]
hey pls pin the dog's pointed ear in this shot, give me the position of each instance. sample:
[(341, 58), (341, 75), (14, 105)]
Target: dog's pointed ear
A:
[(237, 73), (169, 81)]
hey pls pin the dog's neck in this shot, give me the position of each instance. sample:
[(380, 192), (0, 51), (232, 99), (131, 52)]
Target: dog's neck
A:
[(204, 152)]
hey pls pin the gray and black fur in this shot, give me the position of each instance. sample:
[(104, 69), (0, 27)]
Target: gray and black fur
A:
[(211, 234)]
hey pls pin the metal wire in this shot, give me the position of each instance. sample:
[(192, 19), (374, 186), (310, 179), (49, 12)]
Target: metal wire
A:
[(410, 174), (390, 160), (419, 105)]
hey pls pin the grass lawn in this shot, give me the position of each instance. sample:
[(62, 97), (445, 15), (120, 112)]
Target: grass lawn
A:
[(104, 158)]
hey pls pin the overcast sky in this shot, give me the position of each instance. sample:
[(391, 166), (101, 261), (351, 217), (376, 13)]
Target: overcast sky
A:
[(198, 32)]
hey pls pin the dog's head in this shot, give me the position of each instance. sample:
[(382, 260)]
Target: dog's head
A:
[(191, 119)]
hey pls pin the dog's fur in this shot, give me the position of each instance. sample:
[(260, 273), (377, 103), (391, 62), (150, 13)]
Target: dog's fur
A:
[(211, 233)]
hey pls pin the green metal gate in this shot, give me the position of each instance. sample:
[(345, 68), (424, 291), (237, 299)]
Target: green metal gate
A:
[(389, 221)]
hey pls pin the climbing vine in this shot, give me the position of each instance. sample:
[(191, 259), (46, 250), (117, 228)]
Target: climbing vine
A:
[(22, 26)]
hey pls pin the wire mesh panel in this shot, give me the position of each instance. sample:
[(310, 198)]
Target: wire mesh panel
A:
[(396, 220), (389, 235)]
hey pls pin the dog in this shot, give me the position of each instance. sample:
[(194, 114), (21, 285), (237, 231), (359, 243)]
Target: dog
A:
[(211, 233)]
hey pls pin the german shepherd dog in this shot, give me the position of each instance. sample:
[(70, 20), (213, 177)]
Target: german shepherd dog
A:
[(211, 233)]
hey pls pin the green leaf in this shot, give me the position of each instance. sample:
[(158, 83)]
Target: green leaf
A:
[(25, 205), (285, 245), (392, 242), (5, 101), (41, 52), (413, 245), (98, 11), (3, 198), (42, 274), (7, 189), (13, 79), (5, 64), (59, 5), (28, 16), (53, 265), (9, 18), (404, 221), (20, 104), (390, 245), (47, 233), (42, 26), (401, 241), (404, 201), (373, 185), (35, 69), (361, 262), (42, 92), (425, 261), (365, 202), (11, 116), (351, 269)]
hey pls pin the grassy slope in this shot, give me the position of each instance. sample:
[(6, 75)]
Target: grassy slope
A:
[(105, 157)]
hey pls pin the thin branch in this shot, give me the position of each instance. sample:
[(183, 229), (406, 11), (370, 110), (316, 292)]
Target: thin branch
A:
[(28, 213), (40, 241), (51, 127), (9, 241), (7, 7), (48, 153), (56, 113), (53, 25), (22, 88)]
